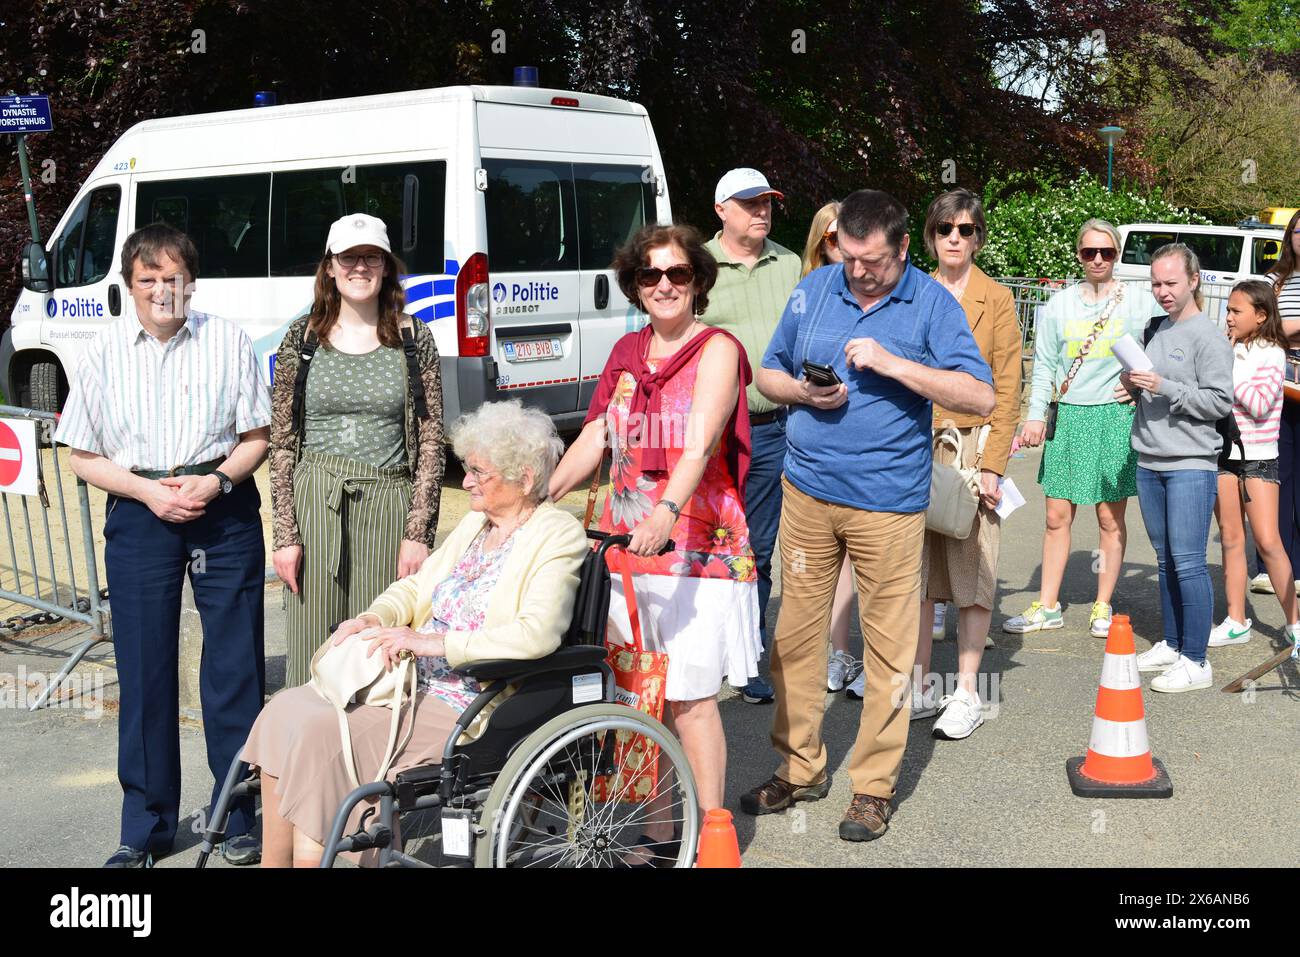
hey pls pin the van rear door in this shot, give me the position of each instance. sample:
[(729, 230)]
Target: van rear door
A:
[(532, 251)]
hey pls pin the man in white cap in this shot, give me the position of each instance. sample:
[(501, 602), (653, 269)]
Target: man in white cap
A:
[(169, 415), (755, 279)]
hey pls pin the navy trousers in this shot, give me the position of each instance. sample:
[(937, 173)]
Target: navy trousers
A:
[(763, 503), (147, 560)]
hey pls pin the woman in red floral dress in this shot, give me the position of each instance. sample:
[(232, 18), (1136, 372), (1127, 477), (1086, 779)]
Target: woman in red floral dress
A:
[(668, 404)]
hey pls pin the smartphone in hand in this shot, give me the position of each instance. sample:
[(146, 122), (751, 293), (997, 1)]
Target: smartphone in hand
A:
[(819, 374)]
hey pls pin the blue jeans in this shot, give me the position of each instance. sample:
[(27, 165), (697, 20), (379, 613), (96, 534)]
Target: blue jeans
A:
[(763, 504), (1176, 507)]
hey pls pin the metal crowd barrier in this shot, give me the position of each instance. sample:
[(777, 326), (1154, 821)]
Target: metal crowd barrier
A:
[(38, 580)]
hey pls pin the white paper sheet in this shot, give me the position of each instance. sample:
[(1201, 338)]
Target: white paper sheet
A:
[(1011, 498), (1130, 355)]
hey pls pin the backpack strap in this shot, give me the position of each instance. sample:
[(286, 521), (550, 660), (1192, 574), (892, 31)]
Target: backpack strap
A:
[(413, 376), (308, 349)]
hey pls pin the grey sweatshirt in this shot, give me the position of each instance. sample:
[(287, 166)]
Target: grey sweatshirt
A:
[(1174, 428)]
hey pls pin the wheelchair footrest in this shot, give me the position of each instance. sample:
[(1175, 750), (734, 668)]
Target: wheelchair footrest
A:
[(417, 782)]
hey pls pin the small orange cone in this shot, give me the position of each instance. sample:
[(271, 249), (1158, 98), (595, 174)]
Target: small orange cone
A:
[(1119, 761), (718, 845)]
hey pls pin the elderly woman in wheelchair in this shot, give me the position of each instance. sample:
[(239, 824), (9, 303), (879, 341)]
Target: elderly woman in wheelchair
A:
[(494, 604)]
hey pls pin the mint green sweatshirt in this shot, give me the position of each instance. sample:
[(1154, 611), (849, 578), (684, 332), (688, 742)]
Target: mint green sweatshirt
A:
[(1062, 325)]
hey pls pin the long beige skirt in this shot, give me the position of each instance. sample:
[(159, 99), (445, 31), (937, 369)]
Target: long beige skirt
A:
[(296, 740), (963, 571)]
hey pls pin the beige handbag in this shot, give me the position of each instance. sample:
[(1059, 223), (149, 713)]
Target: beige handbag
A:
[(954, 491), (342, 675)]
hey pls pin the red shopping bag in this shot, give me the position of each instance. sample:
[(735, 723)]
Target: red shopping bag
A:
[(641, 677)]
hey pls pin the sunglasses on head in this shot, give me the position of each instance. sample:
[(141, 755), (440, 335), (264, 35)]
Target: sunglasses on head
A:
[(831, 238), (1107, 253), (680, 275), (967, 230)]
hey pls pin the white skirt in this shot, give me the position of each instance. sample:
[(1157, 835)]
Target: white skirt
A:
[(707, 626)]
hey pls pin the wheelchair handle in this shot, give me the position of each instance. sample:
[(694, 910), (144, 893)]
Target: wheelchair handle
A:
[(608, 541)]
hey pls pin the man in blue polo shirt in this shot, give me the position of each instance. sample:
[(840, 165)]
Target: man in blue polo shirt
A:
[(857, 478)]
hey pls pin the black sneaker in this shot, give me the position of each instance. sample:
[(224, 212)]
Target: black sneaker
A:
[(777, 794), (758, 691), (242, 850), (127, 856)]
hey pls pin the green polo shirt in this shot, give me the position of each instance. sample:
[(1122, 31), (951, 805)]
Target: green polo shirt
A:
[(748, 303)]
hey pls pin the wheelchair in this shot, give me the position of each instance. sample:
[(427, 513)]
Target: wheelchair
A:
[(542, 786)]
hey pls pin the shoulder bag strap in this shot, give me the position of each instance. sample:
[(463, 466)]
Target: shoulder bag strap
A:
[(1116, 297), (305, 352), (629, 596), (594, 490), (415, 381)]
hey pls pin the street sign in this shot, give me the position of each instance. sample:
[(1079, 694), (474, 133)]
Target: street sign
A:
[(18, 462), (25, 114)]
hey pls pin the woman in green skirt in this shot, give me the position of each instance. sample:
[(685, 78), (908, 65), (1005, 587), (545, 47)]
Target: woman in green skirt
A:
[(356, 441), (1089, 459)]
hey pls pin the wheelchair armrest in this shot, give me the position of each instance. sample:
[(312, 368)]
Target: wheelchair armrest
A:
[(512, 669)]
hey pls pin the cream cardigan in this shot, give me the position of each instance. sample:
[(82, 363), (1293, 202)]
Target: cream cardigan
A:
[(531, 605)]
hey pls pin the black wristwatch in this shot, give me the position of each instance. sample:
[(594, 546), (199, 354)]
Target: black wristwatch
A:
[(226, 486)]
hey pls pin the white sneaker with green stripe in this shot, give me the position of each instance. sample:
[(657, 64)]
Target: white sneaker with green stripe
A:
[(1036, 617), (1230, 632)]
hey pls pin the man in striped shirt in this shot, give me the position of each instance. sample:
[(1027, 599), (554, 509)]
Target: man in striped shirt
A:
[(755, 279), (169, 415)]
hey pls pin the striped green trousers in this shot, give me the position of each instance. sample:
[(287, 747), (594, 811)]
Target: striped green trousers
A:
[(351, 518)]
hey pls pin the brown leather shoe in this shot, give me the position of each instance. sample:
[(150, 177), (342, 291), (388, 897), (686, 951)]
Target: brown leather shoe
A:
[(866, 819), (777, 795)]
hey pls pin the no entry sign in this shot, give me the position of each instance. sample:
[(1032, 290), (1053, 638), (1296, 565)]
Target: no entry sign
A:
[(18, 462)]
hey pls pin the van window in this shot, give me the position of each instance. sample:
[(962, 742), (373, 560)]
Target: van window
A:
[(1217, 253), (409, 197), (226, 217), (530, 216), (1139, 246), (85, 251), (1264, 255), (613, 203)]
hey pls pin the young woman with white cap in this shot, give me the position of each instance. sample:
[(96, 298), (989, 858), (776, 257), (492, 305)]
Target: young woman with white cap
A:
[(356, 445)]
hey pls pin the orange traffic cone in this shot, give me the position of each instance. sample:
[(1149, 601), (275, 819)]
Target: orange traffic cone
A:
[(718, 845), (1119, 762)]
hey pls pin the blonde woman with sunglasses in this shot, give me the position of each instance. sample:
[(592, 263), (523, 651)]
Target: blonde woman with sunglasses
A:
[(1088, 460)]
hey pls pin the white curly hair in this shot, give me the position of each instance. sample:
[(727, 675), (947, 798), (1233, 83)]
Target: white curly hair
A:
[(512, 438)]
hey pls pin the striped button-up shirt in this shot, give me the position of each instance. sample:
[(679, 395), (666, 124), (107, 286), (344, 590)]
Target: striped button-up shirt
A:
[(748, 302), (146, 404)]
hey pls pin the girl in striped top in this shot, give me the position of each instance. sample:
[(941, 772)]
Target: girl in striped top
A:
[(1285, 279), (1259, 358)]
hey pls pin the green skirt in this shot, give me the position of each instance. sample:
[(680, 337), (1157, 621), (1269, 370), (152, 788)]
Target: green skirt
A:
[(1091, 459)]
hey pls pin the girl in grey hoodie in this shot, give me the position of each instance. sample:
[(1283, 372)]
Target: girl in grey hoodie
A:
[(1179, 402)]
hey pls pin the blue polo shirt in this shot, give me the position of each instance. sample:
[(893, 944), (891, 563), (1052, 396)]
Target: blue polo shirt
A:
[(873, 452)]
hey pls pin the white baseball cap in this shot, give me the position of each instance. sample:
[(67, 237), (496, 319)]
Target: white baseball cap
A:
[(744, 183), (357, 229)]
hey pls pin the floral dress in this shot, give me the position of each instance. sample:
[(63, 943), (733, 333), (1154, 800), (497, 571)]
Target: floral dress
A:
[(699, 603), (460, 603)]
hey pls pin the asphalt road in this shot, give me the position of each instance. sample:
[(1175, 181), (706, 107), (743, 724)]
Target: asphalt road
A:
[(999, 798)]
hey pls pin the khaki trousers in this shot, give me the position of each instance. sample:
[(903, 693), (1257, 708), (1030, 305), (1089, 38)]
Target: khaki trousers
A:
[(885, 549)]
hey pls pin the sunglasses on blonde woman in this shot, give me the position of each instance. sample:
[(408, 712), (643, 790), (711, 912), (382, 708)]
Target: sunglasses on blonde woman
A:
[(831, 238), (1089, 253), (679, 275)]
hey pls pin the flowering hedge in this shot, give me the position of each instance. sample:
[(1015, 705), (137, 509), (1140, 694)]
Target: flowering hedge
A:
[(1033, 220)]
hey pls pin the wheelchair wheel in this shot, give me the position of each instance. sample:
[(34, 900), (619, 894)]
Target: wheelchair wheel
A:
[(562, 798)]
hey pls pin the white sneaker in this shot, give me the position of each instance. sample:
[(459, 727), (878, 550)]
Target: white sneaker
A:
[(857, 687), (925, 703), (1160, 657), (1261, 584), (940, 612), (962, 714), (841, 668), (1186, 675), (1230, 632), (1293, 635)]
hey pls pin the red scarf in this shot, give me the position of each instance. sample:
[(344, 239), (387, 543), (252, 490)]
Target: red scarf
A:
[(629, 355)]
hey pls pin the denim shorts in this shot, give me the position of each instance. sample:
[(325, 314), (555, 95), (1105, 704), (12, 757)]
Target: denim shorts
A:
[(1263, 469)]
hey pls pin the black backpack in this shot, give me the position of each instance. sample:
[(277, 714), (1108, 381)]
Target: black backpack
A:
[(1227, 426)]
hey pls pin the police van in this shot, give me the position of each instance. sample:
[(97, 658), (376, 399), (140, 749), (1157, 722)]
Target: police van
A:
[(506, 204)]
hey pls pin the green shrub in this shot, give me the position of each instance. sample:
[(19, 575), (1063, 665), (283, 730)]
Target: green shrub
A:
[(1033, 220)]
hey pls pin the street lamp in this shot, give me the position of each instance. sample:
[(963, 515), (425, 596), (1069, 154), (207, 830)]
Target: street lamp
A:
[(1110, 135)]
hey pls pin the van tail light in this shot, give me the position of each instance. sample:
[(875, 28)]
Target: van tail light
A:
[(472, 304)]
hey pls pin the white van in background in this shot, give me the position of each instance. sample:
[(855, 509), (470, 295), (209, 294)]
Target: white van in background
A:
[(505, 203), (1228, 254)]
